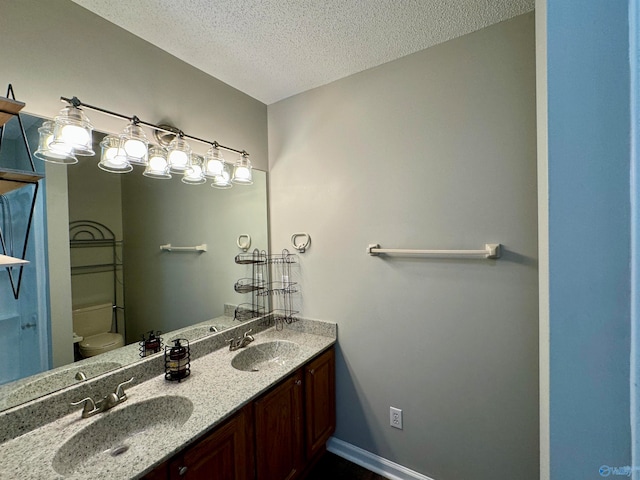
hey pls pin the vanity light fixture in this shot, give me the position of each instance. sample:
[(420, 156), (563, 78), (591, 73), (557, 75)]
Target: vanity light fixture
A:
[(242, 171), (213, 162), (215, 167), (72, 129), (223, 181), (71, 135), (113, 158), (179, 155), (52, 153), (194, 175), (158, 166), (134, 143)]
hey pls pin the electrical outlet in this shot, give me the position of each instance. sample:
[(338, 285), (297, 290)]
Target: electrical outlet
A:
[(395, 417)]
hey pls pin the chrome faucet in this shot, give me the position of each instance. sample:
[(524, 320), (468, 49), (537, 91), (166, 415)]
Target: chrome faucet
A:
[(240, 342), (91, 408)]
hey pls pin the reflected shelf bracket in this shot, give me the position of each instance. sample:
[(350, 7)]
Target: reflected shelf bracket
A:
[(12, 180)]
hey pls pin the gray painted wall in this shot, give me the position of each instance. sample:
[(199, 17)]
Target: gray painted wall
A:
[(435, 150), (59, 275), (166, 291), (53, 48)]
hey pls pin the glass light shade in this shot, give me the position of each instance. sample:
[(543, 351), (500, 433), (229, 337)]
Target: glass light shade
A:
[(179, 155), (213, 163), (242, 171), (72, 129), (113, 158), (62, 154), (194, 175), (223, 180), (158, 167), (135, 144)]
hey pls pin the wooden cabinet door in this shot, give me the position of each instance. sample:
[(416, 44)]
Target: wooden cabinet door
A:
[(159, 473), (320, 401), (226, 454), (278, 424)]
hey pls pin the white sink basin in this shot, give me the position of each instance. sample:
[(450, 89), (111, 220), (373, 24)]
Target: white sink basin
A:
[(264, 356), (121, 435), (195, 333)]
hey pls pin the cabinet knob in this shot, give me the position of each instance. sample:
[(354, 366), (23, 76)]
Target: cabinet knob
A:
[(298, 382), (182, 471), (312, 371)]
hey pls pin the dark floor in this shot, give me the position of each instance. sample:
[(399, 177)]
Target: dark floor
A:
[(333, 467)]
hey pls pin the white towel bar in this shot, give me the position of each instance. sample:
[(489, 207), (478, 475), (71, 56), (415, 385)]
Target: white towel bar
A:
[(169, 248), (491, 250)]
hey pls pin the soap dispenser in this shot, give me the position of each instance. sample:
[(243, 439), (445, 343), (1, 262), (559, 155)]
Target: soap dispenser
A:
[(151, 344), (176, 360)]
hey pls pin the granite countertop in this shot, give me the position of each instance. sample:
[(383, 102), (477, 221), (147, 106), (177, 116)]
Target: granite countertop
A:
[(23, 390), (215, 389)]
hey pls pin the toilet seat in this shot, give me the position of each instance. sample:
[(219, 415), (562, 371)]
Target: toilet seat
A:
[(103, 342)]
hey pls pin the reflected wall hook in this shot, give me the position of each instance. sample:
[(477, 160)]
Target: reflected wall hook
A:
[(304, 243), (244, 242)]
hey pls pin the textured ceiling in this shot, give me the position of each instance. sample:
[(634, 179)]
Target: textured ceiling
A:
[(272, 49)]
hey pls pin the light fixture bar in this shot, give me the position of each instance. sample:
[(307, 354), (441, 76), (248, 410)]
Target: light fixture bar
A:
[(77, 103)]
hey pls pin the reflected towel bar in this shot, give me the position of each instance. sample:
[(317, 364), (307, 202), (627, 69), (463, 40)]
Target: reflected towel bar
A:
[(491, 250), (169, 248)]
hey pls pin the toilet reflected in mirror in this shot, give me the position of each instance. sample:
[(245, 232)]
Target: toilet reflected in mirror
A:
[(93, 324)]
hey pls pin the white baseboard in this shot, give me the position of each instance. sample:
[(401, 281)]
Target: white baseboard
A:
[(374, 463)]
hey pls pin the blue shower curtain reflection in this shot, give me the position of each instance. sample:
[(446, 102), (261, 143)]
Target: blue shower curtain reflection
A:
[(24, 322)]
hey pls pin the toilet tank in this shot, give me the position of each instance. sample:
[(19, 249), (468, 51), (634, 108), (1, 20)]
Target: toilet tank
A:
[(92, 319)]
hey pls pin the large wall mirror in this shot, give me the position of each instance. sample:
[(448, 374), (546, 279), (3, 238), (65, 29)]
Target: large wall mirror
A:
[(101, 233)]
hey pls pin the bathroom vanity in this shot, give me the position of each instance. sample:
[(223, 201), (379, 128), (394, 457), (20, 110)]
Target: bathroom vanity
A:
[(275, 437), (263, 412)]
